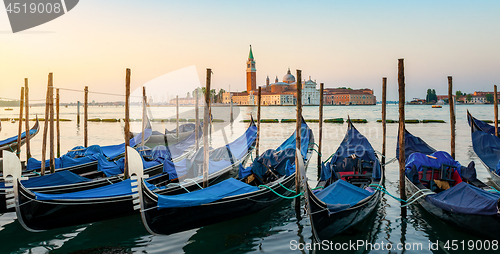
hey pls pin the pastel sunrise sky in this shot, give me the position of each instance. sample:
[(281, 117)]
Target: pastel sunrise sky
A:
[(339, 43)]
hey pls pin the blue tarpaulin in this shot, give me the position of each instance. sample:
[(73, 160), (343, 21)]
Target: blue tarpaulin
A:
[(467, 199), (74, 156), (490, 129), (113, 190), (419, 159), (414, 144), (353, 143), (220, 158), (226, 188), (487, 148), (55, 179), (277, 159), (341, 195)]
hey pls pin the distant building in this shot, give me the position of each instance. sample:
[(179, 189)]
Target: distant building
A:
[(344, 96), (285, 92)]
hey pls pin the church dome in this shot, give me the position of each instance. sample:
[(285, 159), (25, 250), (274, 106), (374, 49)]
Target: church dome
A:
[(288, 78)]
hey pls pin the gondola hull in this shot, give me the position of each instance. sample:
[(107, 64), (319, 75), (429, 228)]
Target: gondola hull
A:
[(38, 215), (155, 170), (326, 225), (480, 225), (172, 220)]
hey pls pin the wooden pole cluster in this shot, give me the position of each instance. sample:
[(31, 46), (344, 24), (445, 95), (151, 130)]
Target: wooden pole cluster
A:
[(27, 109), (297, 139), (321, 87), (177, 115), (452, 115), (51, 108), (257, 140), (495, 98), (197, 119), (85, 117), (45, 127), (127, 121), (401, 83), (206, 123), (20, 130), (384, 113), (58, 129)]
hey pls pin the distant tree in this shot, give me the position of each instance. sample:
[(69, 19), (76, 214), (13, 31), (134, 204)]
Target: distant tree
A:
[(188, 95), (431, 96), (489, 97), (446, 101), (459, 94), (469, 97)]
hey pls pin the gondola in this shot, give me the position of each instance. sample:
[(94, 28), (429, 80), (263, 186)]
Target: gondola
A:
[(486, 146), (10, 144), (451, 192), (40, 211), (256, 187), (346, 192), (66, 181)]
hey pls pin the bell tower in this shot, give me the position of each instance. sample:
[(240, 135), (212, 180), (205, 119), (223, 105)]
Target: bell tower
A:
[(251, 72)]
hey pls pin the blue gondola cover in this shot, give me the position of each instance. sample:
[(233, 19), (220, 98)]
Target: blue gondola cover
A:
[(341, 195), (467, 199), (226, 188), (414, 144), (419, 159)]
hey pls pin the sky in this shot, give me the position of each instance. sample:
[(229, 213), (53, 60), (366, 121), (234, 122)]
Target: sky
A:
[(340, 43)]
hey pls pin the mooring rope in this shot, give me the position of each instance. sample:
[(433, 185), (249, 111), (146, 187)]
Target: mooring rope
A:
[(408, 202)]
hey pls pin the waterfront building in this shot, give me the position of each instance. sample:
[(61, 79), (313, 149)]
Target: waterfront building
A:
[(347, 96)]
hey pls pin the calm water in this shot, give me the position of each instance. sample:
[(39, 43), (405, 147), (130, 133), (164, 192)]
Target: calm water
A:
[(271, 230)]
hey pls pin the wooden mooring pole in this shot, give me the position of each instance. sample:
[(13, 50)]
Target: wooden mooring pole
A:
[(495, 98), (231, 119), (27, 122), (143, 142), (401, 83), (78, 112), (45, 129), (257, 140), (206, 123), (58, 129), (452, 115), (20, 129), (85, 118), (297, 140), (177, 116), (127, 121), (321, 87), (384, 113), (197, 119), (51, 108)]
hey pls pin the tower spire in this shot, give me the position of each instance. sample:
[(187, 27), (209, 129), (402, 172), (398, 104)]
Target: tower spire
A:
[(250, 55)]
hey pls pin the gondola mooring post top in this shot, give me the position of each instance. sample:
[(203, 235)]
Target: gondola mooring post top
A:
[(134, 163)]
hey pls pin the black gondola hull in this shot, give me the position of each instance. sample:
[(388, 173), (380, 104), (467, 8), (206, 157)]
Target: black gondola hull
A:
[(173, 220), (480, 225), (326, 225), (40, 215)]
